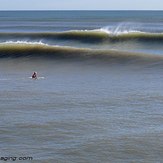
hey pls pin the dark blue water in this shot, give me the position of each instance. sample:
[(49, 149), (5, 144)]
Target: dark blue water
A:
[(75, 20)]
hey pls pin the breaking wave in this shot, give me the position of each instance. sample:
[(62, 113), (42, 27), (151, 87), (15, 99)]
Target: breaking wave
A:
[(40, 50), (99, 35)]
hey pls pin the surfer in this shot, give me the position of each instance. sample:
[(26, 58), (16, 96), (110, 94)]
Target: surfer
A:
[(34, 75)]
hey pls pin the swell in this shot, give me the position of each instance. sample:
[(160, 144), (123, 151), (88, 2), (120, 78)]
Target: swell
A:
[(86, 36), (18, 50)]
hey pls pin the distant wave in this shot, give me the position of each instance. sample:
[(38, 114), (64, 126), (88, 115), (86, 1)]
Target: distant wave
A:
[(36, 50), (99, 35)]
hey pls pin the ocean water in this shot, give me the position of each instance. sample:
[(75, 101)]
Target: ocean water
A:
[(98, 98)]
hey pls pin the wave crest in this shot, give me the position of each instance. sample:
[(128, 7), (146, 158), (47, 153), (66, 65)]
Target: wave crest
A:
[(24, 42), (91, 36), (18, 50)]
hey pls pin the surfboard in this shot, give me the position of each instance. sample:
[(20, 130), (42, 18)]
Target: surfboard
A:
[(40, 77)]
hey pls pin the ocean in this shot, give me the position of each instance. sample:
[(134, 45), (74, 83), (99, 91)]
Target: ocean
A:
[(99, 93)]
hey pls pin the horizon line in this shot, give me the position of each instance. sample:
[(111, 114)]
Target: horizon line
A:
[(81, 10)]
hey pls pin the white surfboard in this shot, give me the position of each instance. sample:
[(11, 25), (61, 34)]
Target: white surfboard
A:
[(40, 77)]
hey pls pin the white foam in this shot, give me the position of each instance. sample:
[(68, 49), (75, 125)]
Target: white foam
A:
[(123, 28), (24, 42), (117, 31)]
